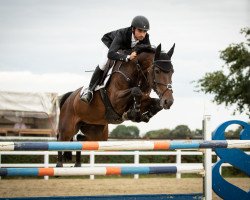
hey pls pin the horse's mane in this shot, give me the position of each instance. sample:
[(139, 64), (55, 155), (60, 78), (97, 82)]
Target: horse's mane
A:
[(64, 98), (144, 48)]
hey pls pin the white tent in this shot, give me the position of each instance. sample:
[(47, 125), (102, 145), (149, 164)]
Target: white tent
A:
[(25, 104), (17, 106)]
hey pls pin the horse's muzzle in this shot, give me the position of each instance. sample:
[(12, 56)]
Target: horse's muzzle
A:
[(167, 103)]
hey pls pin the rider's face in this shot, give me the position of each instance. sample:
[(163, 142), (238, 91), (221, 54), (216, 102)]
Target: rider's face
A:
[(139, 34)]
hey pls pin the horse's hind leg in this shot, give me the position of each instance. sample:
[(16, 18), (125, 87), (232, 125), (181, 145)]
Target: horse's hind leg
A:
[(78, 159), (79, 137), (59, 159), (59, 156), (66, 132), (95, 132), (91, 133), (67, 155)]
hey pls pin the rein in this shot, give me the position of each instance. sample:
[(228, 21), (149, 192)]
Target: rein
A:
[(155, 82), (122, 73)]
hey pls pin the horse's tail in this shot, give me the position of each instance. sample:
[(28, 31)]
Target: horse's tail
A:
[(64, 98)]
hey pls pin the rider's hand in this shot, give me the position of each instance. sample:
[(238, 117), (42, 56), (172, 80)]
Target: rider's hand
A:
[(132, 55)]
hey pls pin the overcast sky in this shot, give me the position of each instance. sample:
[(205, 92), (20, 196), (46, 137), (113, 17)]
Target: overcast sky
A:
[(47, 46)]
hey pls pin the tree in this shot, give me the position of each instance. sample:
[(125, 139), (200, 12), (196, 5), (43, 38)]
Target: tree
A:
[(181, 132), (134, 131), (122, 131), (232, 87), (233, 134), (159, 134), (197, 133)]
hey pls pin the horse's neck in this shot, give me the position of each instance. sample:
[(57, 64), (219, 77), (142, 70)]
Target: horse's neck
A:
[(127, 71), (124, 77), (146, 62), (137, 72)]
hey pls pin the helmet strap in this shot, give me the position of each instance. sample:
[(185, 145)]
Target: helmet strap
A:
[(133, 30)]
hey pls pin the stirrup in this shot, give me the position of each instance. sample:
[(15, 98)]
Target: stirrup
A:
[(87, 96)]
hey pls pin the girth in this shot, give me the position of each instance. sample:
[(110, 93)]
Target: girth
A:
[(110, 114)]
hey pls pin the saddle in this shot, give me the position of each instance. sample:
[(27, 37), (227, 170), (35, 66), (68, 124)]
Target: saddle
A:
[(109, 66)]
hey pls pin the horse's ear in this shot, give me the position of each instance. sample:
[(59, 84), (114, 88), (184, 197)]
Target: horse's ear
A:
[(158, 52), (171, 51)]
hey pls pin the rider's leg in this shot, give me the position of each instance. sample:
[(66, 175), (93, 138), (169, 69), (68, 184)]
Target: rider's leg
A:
[(96, 77), (94, 81)]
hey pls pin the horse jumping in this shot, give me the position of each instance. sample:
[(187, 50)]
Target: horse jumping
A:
[(126, 96)]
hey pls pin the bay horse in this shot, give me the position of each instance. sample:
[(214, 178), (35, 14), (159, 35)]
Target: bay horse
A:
[(126, 96)]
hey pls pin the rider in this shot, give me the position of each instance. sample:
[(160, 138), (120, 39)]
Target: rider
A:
[(122, 39)]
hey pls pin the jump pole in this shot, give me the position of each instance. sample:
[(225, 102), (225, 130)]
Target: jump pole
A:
[(82, 171), (207, 160), (123, 145)]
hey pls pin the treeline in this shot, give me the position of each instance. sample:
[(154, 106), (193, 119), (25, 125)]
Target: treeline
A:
[(179, 132)]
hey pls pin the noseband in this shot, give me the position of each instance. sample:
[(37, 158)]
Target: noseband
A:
[(156, 82)]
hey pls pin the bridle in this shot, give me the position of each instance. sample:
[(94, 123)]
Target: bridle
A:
[(156, 82)]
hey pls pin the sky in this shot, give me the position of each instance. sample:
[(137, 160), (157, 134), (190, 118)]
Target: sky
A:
[(46, 46)]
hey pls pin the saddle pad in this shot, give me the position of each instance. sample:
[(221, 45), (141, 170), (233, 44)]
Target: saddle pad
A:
[(107, 77)]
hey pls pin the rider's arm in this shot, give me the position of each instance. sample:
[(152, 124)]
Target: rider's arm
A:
[(116, 44)]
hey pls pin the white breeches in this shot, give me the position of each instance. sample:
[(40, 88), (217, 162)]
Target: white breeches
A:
[(104, 57)]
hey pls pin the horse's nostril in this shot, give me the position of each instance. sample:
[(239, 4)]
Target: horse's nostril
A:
[(169, 102)]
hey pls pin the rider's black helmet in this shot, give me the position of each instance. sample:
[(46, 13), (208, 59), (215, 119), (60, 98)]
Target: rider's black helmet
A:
[(140, 22)]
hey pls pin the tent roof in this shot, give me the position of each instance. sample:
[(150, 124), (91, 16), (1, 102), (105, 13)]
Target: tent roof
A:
[(27, 104)]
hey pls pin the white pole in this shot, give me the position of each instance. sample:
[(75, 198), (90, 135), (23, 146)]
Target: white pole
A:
[(207, 186), (178, 162), (46, 163), (92, 163), (218, 158), (136, 162)]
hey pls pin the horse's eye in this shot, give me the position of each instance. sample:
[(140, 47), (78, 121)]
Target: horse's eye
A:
[(157, 71)]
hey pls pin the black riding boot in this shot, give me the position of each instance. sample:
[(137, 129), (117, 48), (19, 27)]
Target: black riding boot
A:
[(94, 81)]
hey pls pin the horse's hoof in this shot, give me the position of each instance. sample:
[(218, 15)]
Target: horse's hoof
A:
[(78, 165), (145, 118)]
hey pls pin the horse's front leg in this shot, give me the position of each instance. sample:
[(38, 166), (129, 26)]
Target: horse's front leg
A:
[(134, 113), (150, 107), (137, 95)]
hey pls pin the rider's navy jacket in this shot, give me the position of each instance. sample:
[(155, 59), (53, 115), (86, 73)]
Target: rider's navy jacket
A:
[(120, 40)]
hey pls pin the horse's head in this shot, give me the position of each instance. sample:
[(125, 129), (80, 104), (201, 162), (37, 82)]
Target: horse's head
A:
[(162, 76)]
